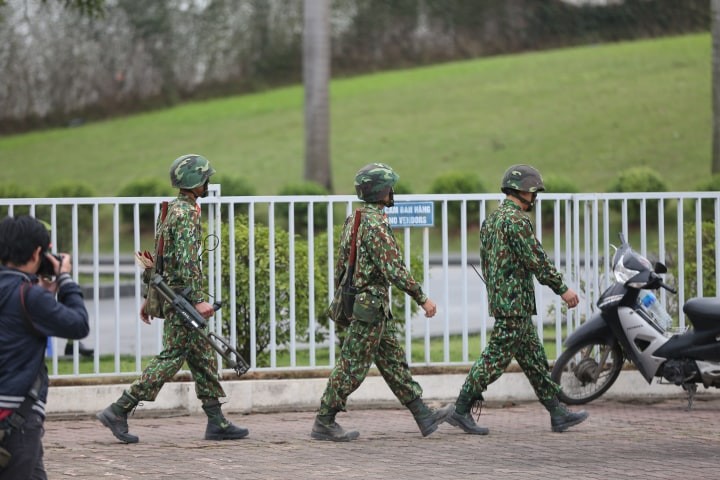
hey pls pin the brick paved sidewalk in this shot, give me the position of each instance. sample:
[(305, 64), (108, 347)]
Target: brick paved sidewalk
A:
[(620, 440)]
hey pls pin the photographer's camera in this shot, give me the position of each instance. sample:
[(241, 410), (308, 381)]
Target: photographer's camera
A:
[(47, 269)]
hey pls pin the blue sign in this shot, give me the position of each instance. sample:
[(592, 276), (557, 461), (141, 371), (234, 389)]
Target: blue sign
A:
[(411, 214)]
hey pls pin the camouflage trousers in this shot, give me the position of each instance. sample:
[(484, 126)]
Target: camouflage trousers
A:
[(364, 344), (513, 337), (180, 344)]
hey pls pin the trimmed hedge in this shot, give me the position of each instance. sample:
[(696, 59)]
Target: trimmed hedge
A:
[(458, 182), (638, 179)]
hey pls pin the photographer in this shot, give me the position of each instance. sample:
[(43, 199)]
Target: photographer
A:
[(30, 279)]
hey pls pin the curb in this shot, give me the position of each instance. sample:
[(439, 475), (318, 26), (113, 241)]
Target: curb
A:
[(303, 394)]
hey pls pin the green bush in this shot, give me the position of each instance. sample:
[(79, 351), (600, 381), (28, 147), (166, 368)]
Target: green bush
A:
[(64, 213), (556, 184), (458, 182), (402, 188), (261, 259), (300, 210), (70, 189), (144, 187), (708, 259), (712, 184), (231, 186), (11, 190), (638, 179)]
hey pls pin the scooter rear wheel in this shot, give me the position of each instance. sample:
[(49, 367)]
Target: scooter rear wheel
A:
[(580, 374)]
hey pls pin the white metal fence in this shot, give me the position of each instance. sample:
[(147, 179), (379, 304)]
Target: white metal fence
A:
[(274, 270)]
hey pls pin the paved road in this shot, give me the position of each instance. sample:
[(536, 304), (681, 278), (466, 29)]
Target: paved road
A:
[(619, 440), (116, 326)]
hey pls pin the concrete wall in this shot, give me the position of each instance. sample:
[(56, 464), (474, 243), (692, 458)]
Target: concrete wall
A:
[(252, 396)]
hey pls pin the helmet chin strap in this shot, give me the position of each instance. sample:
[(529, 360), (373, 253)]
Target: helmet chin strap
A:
[(528, 204), (205, 189), (391, 199), (195, 193), (189, 192)]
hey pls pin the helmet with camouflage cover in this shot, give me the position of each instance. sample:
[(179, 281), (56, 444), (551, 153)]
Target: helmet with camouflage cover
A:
[(523, 178), (374, 181), (190, 171)]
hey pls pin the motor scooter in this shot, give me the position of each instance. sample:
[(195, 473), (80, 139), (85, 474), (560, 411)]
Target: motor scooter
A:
[(632, 325)]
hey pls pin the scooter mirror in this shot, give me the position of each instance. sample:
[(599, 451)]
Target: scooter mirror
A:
[(660, 267)]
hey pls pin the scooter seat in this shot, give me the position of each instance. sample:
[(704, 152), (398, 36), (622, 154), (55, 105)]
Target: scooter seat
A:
[(704, 313)]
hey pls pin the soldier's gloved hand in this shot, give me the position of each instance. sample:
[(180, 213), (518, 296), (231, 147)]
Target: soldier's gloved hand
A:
[(430, 308)]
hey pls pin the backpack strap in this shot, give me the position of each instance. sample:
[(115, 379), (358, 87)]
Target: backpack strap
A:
[(159, 261), (353, 248), (26, 314)]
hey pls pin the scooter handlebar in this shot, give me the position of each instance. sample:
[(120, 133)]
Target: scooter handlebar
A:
[(656, 281)]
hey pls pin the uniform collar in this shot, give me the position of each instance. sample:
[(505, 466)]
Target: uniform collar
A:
[(376, 207), (184, 197), (511, 204)]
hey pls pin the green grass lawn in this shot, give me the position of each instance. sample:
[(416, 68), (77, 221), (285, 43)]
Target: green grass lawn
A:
[(582, 113), (86, 365)]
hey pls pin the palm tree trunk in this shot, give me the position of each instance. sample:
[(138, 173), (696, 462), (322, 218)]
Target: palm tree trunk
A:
[(316, 75)]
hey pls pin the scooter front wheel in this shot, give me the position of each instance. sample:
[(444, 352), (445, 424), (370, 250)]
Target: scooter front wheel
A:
[(586, 371)]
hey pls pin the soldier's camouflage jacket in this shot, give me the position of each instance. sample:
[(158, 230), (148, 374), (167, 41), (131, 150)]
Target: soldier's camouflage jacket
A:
[(379, 263), (510, 255), (183, 240)]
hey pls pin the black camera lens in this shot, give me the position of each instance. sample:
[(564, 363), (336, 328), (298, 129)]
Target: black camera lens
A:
[(46, 267)]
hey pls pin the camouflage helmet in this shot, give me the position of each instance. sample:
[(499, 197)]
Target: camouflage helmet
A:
[(523, 178), (190, 171), (374, 181)]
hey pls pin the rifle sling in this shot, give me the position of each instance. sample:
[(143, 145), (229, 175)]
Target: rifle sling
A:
[(353, 248), (160, 262)]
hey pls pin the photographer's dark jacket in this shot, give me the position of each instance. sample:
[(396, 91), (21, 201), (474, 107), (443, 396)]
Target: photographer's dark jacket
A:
[(23, 339)]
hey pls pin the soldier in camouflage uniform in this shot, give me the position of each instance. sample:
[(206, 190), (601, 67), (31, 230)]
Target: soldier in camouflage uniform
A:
[(371, 336), (511, 255), (182, 233)]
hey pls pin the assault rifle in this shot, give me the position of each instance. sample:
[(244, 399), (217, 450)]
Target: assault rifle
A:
[(192, 317)]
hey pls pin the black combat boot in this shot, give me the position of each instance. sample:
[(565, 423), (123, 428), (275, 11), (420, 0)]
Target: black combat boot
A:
[(326, 428), (114, 417), (219, 427), (461, 416), (428, 418), (560, 417)]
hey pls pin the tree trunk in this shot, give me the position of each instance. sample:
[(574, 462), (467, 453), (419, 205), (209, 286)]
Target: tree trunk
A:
[(316, 76), (715, 12)]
